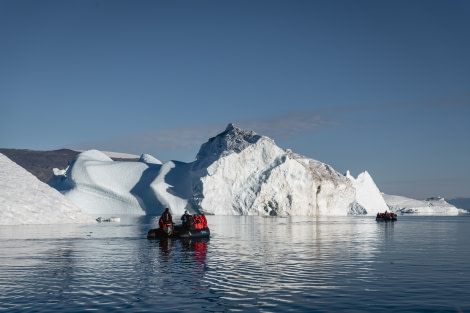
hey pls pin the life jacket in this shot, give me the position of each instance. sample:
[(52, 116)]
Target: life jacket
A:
[(197, 222), (204, 221)]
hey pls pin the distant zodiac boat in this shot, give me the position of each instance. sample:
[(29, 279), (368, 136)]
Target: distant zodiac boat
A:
[(386, 217)]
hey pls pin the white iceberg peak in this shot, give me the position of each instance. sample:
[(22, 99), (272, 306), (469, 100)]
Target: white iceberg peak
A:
[(367, 193), (231, 140)]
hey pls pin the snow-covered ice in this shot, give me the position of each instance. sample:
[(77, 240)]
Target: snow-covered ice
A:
[(431, 206), (101, 186), (147, 158), (26, 200)]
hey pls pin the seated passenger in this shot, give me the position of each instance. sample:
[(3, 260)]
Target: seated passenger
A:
[(197, 222), (165, 220), (204, 221), (185, 219), (190, 222)]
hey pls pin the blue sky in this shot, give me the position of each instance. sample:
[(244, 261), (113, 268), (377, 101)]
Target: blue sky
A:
[(382, 86)]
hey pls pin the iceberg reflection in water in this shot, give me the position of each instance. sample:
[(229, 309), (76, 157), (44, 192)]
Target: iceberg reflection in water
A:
[(250, 263)]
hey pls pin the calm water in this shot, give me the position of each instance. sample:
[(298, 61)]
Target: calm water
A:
[(250, 264)]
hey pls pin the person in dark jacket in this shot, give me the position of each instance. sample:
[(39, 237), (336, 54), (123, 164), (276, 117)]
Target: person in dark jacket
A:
[(166, 217), (185, 219)]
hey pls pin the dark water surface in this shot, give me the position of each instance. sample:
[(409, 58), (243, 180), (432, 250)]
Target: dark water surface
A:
[(250, 264)]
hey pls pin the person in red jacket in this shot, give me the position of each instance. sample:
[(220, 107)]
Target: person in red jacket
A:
[(197, 222), (204, 221), (165, 219)]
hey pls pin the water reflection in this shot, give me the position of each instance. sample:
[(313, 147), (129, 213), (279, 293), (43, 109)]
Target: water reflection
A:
[(187, 251), (249, 264), (261, 257), (165, 244), (196, 248)]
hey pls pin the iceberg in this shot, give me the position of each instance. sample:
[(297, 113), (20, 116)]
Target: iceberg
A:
[(237, 172), (367, 193), (240, 172), (99, 185), (430, 206), (27, 200)]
